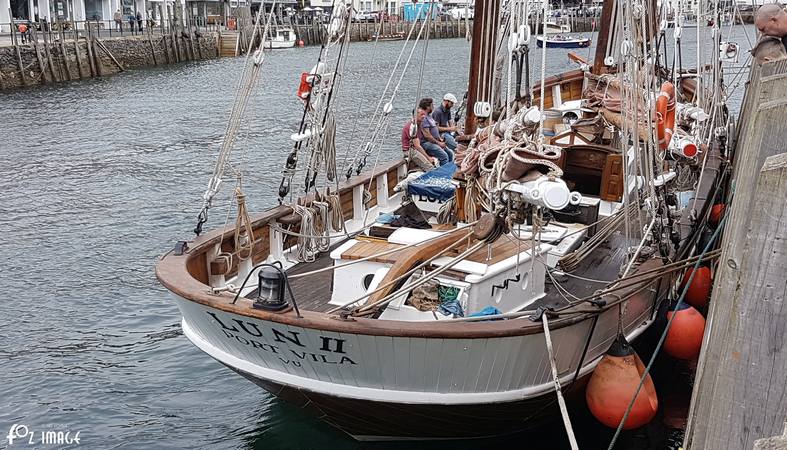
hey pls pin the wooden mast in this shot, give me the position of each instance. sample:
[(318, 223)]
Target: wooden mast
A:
[(605, 34), (482, 57), (608, 42)]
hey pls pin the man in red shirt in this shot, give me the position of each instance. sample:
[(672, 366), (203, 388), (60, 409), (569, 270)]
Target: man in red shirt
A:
[(411, 145)]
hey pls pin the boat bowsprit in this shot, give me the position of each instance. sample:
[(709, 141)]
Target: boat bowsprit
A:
[(562, 41)]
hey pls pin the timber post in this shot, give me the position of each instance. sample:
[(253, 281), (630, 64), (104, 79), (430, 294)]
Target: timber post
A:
[(78, 52), (15, 40), (744, 355), (63, 53), (42, 68), (48, 54)]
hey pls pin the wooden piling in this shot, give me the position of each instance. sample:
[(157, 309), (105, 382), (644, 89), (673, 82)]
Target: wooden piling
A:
[(50, 63), (96, 57), (175, 44), (152, 47), (44, 75), (91, 62), (63, 53), (111, 56), (739, 387), (14, 39), (78, 52)]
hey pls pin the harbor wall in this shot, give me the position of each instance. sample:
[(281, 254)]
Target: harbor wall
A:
[(48, 62), (439, 29)]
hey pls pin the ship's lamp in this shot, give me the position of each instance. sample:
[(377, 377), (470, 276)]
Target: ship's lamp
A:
[(272, 284)]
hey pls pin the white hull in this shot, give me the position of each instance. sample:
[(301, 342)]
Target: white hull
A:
[(280, 44), (404, 369), (554, 28)]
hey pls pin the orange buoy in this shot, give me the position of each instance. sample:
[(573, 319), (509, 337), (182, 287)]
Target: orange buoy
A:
[(700, 287), (665, 114), (300, 42), (612, 386), (716, 213), (684, 338)]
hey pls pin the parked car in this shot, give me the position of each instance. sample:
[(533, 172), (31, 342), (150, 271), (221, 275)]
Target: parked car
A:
[(461, 13), (366, 16)]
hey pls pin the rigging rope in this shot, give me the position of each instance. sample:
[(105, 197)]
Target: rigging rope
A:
[(244, 235), (246, 83)]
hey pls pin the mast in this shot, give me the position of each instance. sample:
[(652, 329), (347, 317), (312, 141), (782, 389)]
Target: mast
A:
[(609, 34), (482, 57)]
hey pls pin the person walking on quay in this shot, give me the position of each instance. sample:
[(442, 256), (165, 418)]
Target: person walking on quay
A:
[(118, 20), (22, 27), (139, 21), (131, 21)]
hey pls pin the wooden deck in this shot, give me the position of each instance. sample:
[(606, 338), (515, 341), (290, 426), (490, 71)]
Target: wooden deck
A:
[(314, 292)]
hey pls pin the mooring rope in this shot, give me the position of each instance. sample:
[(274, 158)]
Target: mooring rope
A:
[(558, 390)]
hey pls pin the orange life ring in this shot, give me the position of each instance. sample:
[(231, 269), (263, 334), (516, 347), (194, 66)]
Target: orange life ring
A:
[(665, 114), (305, 88)]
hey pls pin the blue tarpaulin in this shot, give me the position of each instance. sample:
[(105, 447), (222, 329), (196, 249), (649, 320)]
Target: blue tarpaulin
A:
[(488, 311), (435, 184), (419, 11)]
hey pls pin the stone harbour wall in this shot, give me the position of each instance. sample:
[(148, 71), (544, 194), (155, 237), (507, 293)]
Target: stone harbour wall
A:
[(44, 63)]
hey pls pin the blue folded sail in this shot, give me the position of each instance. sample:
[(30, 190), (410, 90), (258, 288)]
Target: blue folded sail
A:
[(435, 184)]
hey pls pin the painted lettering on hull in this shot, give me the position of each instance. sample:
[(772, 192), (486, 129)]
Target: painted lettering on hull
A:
[(288, 346)]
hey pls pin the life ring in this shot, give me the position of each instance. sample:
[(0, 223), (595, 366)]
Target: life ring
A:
[(305, 88), (665, 114)]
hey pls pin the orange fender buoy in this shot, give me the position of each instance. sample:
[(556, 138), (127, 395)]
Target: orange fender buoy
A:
[(612, 386), (684, 338), (665, 114), (716, 213), (300, 42), (700, 287)]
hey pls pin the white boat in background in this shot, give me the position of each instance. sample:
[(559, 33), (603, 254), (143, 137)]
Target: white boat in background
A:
[(563, 41), (552, 27), (281, 37)]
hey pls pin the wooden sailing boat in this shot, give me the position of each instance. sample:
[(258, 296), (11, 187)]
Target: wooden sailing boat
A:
[(399, 332)]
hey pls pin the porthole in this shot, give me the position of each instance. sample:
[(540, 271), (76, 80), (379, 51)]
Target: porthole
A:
[(367, 281)]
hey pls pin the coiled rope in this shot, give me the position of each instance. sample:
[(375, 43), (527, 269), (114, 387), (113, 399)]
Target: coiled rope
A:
[(244, 236)]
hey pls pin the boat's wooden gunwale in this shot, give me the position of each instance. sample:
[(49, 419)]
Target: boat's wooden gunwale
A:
[(172, 273)]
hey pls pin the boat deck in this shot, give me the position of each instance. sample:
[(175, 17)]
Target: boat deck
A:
[(314, 292)]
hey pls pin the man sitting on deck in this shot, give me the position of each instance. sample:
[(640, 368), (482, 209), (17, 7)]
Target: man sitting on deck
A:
[(411, 145), (771, 20), (429, 135), (769, 49), (442, 115)]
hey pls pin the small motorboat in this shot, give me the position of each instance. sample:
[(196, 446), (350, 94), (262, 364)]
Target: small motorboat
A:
[(563, 41), (282, 37), (387, 37)]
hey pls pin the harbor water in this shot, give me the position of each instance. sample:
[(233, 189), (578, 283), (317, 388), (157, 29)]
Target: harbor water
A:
[(100, 177)]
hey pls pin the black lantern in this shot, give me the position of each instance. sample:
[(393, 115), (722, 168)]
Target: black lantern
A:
[(271, 286)]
